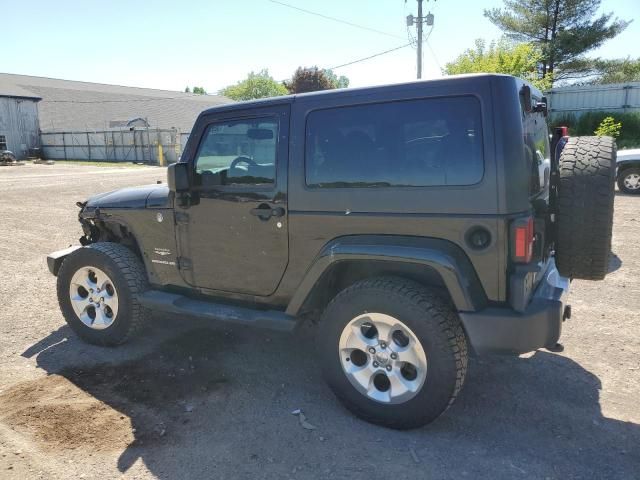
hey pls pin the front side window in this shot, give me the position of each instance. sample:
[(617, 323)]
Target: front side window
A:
[(3, 142), (238, 152), (413, 143)]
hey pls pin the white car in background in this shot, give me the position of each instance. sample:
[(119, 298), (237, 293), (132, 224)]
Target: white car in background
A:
[(628, 176)]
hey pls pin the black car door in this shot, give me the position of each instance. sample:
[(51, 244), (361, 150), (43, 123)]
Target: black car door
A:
[(233, 232)]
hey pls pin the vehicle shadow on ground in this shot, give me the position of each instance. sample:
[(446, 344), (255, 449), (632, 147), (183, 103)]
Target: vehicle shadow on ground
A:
[(620, 193), (615, 262), (216, 402)]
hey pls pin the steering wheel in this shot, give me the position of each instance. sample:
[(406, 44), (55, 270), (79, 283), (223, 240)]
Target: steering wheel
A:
[(242, 159)]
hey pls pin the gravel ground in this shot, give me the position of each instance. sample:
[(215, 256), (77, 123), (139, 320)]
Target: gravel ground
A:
[(196, 400)]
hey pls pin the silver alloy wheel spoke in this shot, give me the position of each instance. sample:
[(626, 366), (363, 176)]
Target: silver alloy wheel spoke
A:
[(400, 385), (632, 181), (110, 301), (91, 300), (410, 354), (384, 376), (356, 340)]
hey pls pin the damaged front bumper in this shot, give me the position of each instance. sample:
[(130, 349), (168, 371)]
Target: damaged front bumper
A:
[(55, 259)]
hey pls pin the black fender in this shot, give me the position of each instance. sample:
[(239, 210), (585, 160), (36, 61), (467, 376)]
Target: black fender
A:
[(440, 256)]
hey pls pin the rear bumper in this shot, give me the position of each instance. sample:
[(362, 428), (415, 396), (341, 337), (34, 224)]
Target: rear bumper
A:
[(504, 330)]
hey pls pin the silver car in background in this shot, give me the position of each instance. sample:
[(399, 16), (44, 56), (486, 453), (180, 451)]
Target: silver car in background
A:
[(628, 175)]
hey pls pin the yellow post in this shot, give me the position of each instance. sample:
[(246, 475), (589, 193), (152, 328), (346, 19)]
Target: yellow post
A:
[(160, 155)]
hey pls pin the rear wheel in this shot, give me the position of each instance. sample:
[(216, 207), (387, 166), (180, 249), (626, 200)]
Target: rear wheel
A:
[(393, 352), (629, 180), (98, 288), (584, 216)]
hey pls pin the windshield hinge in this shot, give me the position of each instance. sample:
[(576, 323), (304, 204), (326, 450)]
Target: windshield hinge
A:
[(181, 217)]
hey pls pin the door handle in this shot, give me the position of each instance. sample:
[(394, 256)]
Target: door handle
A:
[(265, 211)]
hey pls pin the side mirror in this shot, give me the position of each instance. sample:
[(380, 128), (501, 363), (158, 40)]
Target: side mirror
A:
[(541, 106), (178, 177), (525, 98)]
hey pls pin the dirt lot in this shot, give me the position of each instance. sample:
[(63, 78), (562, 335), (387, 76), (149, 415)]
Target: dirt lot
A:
[(195, 400)]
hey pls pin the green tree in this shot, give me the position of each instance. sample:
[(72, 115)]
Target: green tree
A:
[(199, 91), (337, 81), (518, 59), (309, 79), (563, 29), (619, 70), (256, 85), (608, 128), (187, 89)]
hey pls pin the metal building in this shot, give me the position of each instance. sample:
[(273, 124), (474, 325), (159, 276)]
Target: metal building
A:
[(92, 121), (575, 100), (19, 128)]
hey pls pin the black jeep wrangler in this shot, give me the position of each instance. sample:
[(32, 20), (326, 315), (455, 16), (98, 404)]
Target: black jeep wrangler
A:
[(417, 223)]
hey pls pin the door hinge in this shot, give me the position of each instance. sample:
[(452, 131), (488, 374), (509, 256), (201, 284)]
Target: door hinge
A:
[(184, 263), (181, 217)]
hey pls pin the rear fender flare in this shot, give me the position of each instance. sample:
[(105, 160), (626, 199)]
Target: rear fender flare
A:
[(444, 257)]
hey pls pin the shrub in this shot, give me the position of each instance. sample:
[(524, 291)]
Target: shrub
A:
[(608, 128), (588, 122)]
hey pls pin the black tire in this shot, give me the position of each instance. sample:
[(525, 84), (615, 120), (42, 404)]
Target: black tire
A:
[(623, 175), (435, 324), (128, 275), (585, 207)]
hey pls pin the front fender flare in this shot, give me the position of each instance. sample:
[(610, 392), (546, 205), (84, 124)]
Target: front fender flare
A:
[(444, 257)]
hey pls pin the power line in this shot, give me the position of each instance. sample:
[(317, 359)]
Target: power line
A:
[(365, 58), (371, 56), (435, 57), (327, 17)]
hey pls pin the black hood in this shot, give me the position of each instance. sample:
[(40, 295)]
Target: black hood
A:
[(146, 196)]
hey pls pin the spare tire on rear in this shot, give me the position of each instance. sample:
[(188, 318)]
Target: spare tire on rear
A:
[(584, 217)]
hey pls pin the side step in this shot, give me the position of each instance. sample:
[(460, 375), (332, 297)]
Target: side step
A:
[(181, 305)]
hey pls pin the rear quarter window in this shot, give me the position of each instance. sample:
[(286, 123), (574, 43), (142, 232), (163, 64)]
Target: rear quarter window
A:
[(414, 143), (536, 151)]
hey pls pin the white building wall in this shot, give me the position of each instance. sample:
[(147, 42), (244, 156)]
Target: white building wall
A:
[(19, 124), (615, 97)]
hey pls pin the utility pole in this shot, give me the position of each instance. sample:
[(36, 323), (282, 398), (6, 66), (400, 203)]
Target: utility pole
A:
[(419, 21), (419, 39)]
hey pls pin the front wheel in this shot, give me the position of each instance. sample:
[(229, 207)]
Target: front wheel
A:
[(98, 288), (394, 353)]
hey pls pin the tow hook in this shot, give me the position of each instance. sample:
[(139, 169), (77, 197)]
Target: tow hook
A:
[(566, 315)]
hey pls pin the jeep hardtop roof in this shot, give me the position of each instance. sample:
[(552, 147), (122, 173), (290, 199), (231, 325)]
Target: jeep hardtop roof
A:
[(457, 80)]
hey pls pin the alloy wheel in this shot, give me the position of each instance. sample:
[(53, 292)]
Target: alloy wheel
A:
[(93, 297), (382, 358)]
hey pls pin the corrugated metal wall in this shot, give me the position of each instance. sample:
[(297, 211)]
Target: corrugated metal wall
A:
[(138, 145), (616, 97), (19, 124)]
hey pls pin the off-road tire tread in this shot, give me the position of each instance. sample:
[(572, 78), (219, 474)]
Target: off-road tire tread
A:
[(438, 307), (136, 281), (584, 216)]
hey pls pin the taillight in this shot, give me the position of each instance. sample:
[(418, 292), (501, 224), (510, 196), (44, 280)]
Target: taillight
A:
[(522, 239)]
